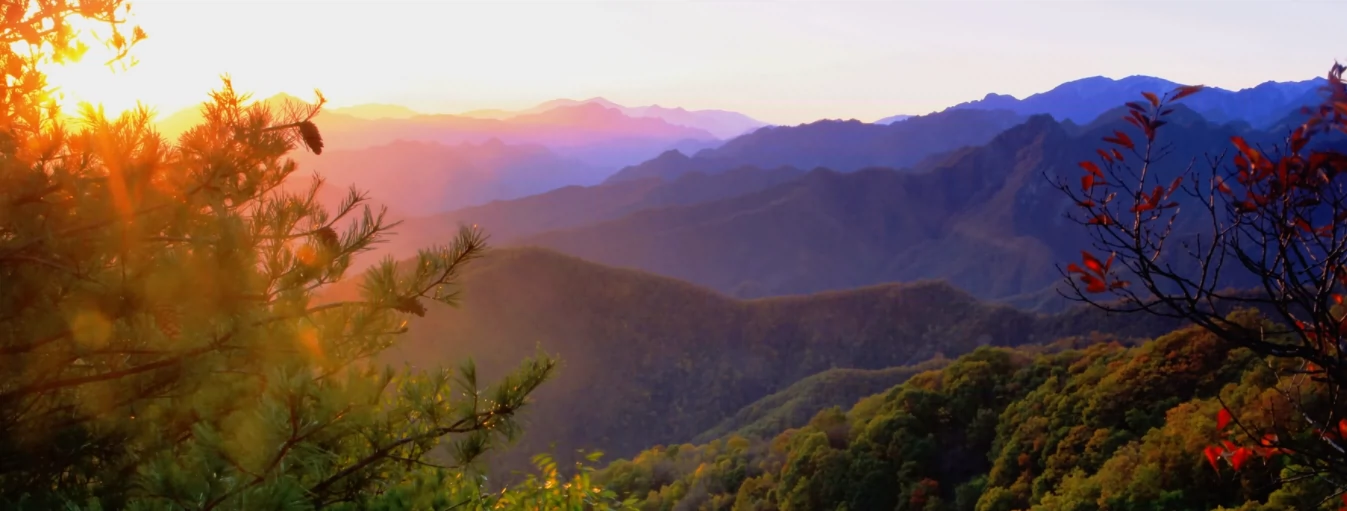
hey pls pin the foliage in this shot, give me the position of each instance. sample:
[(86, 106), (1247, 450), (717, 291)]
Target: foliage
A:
[(1272, 218), (1098, 427), (163, 345), (793, 407)]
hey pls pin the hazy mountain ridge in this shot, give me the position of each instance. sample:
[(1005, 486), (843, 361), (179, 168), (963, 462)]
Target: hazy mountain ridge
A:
[(894, 118), (377, 111), (723, 124), (416, 178), (574, 206), (838, 145), (1086, 99), (983, 218), (598, 136)]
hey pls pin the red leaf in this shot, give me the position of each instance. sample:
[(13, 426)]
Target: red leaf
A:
[(1220, 185), (1118, 155), (1121, 139), (1100, 219), (1092, 263), (1222, 419), (1093, 284), (1090, 167), (1268, 445), (1298, 139), (1185, 91), (1150, 96), (1342, 428), (1086, 182), (1213, 453), (1104, 155), (1072, 268), (1239, 456), (1303, 225)]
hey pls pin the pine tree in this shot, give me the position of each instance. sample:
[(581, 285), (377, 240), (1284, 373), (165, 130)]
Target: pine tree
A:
[(163, 342)]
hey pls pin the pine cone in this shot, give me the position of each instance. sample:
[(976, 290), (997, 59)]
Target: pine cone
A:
[(411, 305), (327, 238), (314, 140)]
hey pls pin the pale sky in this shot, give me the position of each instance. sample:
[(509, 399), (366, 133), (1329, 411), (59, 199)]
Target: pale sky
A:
[(781, 62)]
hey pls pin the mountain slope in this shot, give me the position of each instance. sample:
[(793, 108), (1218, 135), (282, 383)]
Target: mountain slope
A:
[(794, 406), (1102, 426), (574, 206), (649, 360), (838, 145)]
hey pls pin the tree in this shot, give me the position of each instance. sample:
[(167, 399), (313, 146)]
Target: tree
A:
[(164, 343), (1192, 244)]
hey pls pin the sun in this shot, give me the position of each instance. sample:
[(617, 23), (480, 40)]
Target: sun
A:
[(94, 79)]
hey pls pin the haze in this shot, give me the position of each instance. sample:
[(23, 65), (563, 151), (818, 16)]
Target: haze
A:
[(783, 63)]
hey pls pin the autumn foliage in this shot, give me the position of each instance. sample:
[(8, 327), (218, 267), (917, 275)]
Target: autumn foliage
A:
[(1263, 227)]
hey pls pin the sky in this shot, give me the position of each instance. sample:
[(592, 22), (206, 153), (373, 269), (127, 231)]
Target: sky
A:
[(783, 62)]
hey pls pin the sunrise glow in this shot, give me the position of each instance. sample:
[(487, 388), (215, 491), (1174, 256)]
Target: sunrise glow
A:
[(786, 62)]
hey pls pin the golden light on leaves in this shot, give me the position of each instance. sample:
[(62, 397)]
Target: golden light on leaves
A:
[(90, 329)]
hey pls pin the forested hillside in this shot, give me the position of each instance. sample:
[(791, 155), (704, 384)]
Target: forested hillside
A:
[(648, 359), (1100, 427)]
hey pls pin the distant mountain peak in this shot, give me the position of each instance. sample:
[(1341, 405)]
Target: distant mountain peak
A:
[(283, 96), (1083, 100), (894, 118)]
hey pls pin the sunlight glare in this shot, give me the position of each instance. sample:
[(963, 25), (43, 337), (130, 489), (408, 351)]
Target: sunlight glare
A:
[(93, 78)]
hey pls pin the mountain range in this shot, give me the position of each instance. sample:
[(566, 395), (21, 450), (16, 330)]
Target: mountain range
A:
[(837, 145), (592, 133), (981, 217), (720, 123), (1084, 100), (661, 288)]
